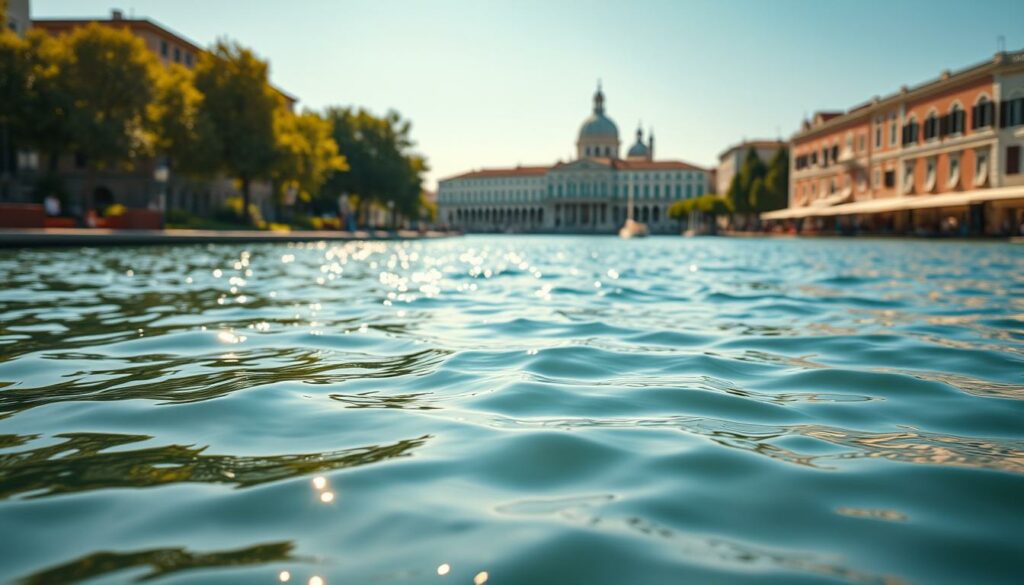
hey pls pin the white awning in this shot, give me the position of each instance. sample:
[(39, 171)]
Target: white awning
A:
[(889, 204), (834, 199)]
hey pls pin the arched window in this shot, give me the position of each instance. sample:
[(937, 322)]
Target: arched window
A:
[(931, 126), (955, 120), (983, 113), (654, 214), (911, 131)]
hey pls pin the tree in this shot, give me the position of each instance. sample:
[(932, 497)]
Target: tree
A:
[(308, 154), (707, 207), (740, 189), (183, 134), (15, 72), (42, 120), (776, 182), (383, 167), (240, 107), (112, 77)]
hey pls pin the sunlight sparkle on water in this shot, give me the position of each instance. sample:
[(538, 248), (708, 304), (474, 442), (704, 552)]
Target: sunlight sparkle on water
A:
[(443, 569)]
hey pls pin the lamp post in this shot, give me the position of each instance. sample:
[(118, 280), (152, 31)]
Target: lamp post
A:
[(391, 214), (162, 175)]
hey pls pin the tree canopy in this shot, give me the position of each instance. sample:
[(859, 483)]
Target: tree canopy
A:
[(383, 166), (98, 91), (709, 204), (241, 107), (758, 187), (308, 155)]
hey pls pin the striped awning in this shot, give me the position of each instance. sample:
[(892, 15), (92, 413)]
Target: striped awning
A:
[(904, 203)]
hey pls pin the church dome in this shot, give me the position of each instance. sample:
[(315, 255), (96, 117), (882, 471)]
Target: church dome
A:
[(598, 125), (638, 150)]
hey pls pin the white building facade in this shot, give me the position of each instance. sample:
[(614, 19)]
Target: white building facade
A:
[(588, 195)]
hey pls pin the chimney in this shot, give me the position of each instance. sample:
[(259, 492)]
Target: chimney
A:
[(117, 14)]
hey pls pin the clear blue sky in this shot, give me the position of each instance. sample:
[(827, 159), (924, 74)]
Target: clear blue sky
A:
[(492, 83)]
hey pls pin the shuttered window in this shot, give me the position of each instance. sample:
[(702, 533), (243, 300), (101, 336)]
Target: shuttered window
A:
[(1013, 160)]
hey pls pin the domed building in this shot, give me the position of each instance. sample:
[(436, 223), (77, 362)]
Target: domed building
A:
[(639, 150), (599, 136), (591, 194)]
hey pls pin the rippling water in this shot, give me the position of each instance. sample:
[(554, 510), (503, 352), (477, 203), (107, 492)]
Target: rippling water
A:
[(514, 410)]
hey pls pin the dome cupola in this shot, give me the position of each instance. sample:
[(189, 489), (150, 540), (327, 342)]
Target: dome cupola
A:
[(639, 150), (599, 136)]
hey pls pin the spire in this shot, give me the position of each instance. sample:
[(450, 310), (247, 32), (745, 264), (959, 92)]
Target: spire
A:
[(599, 99), (650, 143), (640, 131)]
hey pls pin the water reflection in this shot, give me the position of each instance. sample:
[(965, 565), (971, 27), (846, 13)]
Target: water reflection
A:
[(192, 379), (161, 562), (84, 462), (745, 407)]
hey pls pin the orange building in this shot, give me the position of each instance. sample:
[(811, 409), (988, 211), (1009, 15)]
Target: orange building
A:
[(139, 186), (941, 157), (168, 46)]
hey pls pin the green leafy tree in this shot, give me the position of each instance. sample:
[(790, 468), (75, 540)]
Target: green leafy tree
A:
[(183, 134), (240, 107), (43, 121), (383, 167), (112, 78), (308, 154), (706, 207), (742, 185), (15, 72), (776, 182)]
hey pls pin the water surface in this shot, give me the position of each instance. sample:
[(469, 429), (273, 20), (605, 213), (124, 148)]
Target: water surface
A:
[(514, 410)]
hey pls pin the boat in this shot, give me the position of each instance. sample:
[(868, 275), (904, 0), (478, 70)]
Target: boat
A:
[(632, 228)]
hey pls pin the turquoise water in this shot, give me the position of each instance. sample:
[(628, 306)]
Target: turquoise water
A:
[(563, 410)]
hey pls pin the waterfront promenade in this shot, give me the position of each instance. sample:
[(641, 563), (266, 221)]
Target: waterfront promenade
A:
[(60, 237)]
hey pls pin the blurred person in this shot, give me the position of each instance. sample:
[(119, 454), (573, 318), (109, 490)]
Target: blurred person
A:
[(52, 205)]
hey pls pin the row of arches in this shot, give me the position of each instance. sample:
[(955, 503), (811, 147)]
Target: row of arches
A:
[(573, 216), (520, 217)]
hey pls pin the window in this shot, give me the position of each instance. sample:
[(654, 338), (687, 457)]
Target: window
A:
[(892, 129), (911, 132), (931, 127), (954, 170), (908, 176), (876, 178), (982, 114), (1013, 160), (929, 174), (1012, 112), (955, 120), (163, 48), (878, 133), (980, 167), (177, 55), (890, 179)]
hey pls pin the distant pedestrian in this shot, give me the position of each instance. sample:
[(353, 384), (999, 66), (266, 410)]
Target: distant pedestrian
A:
[(52, 205)]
